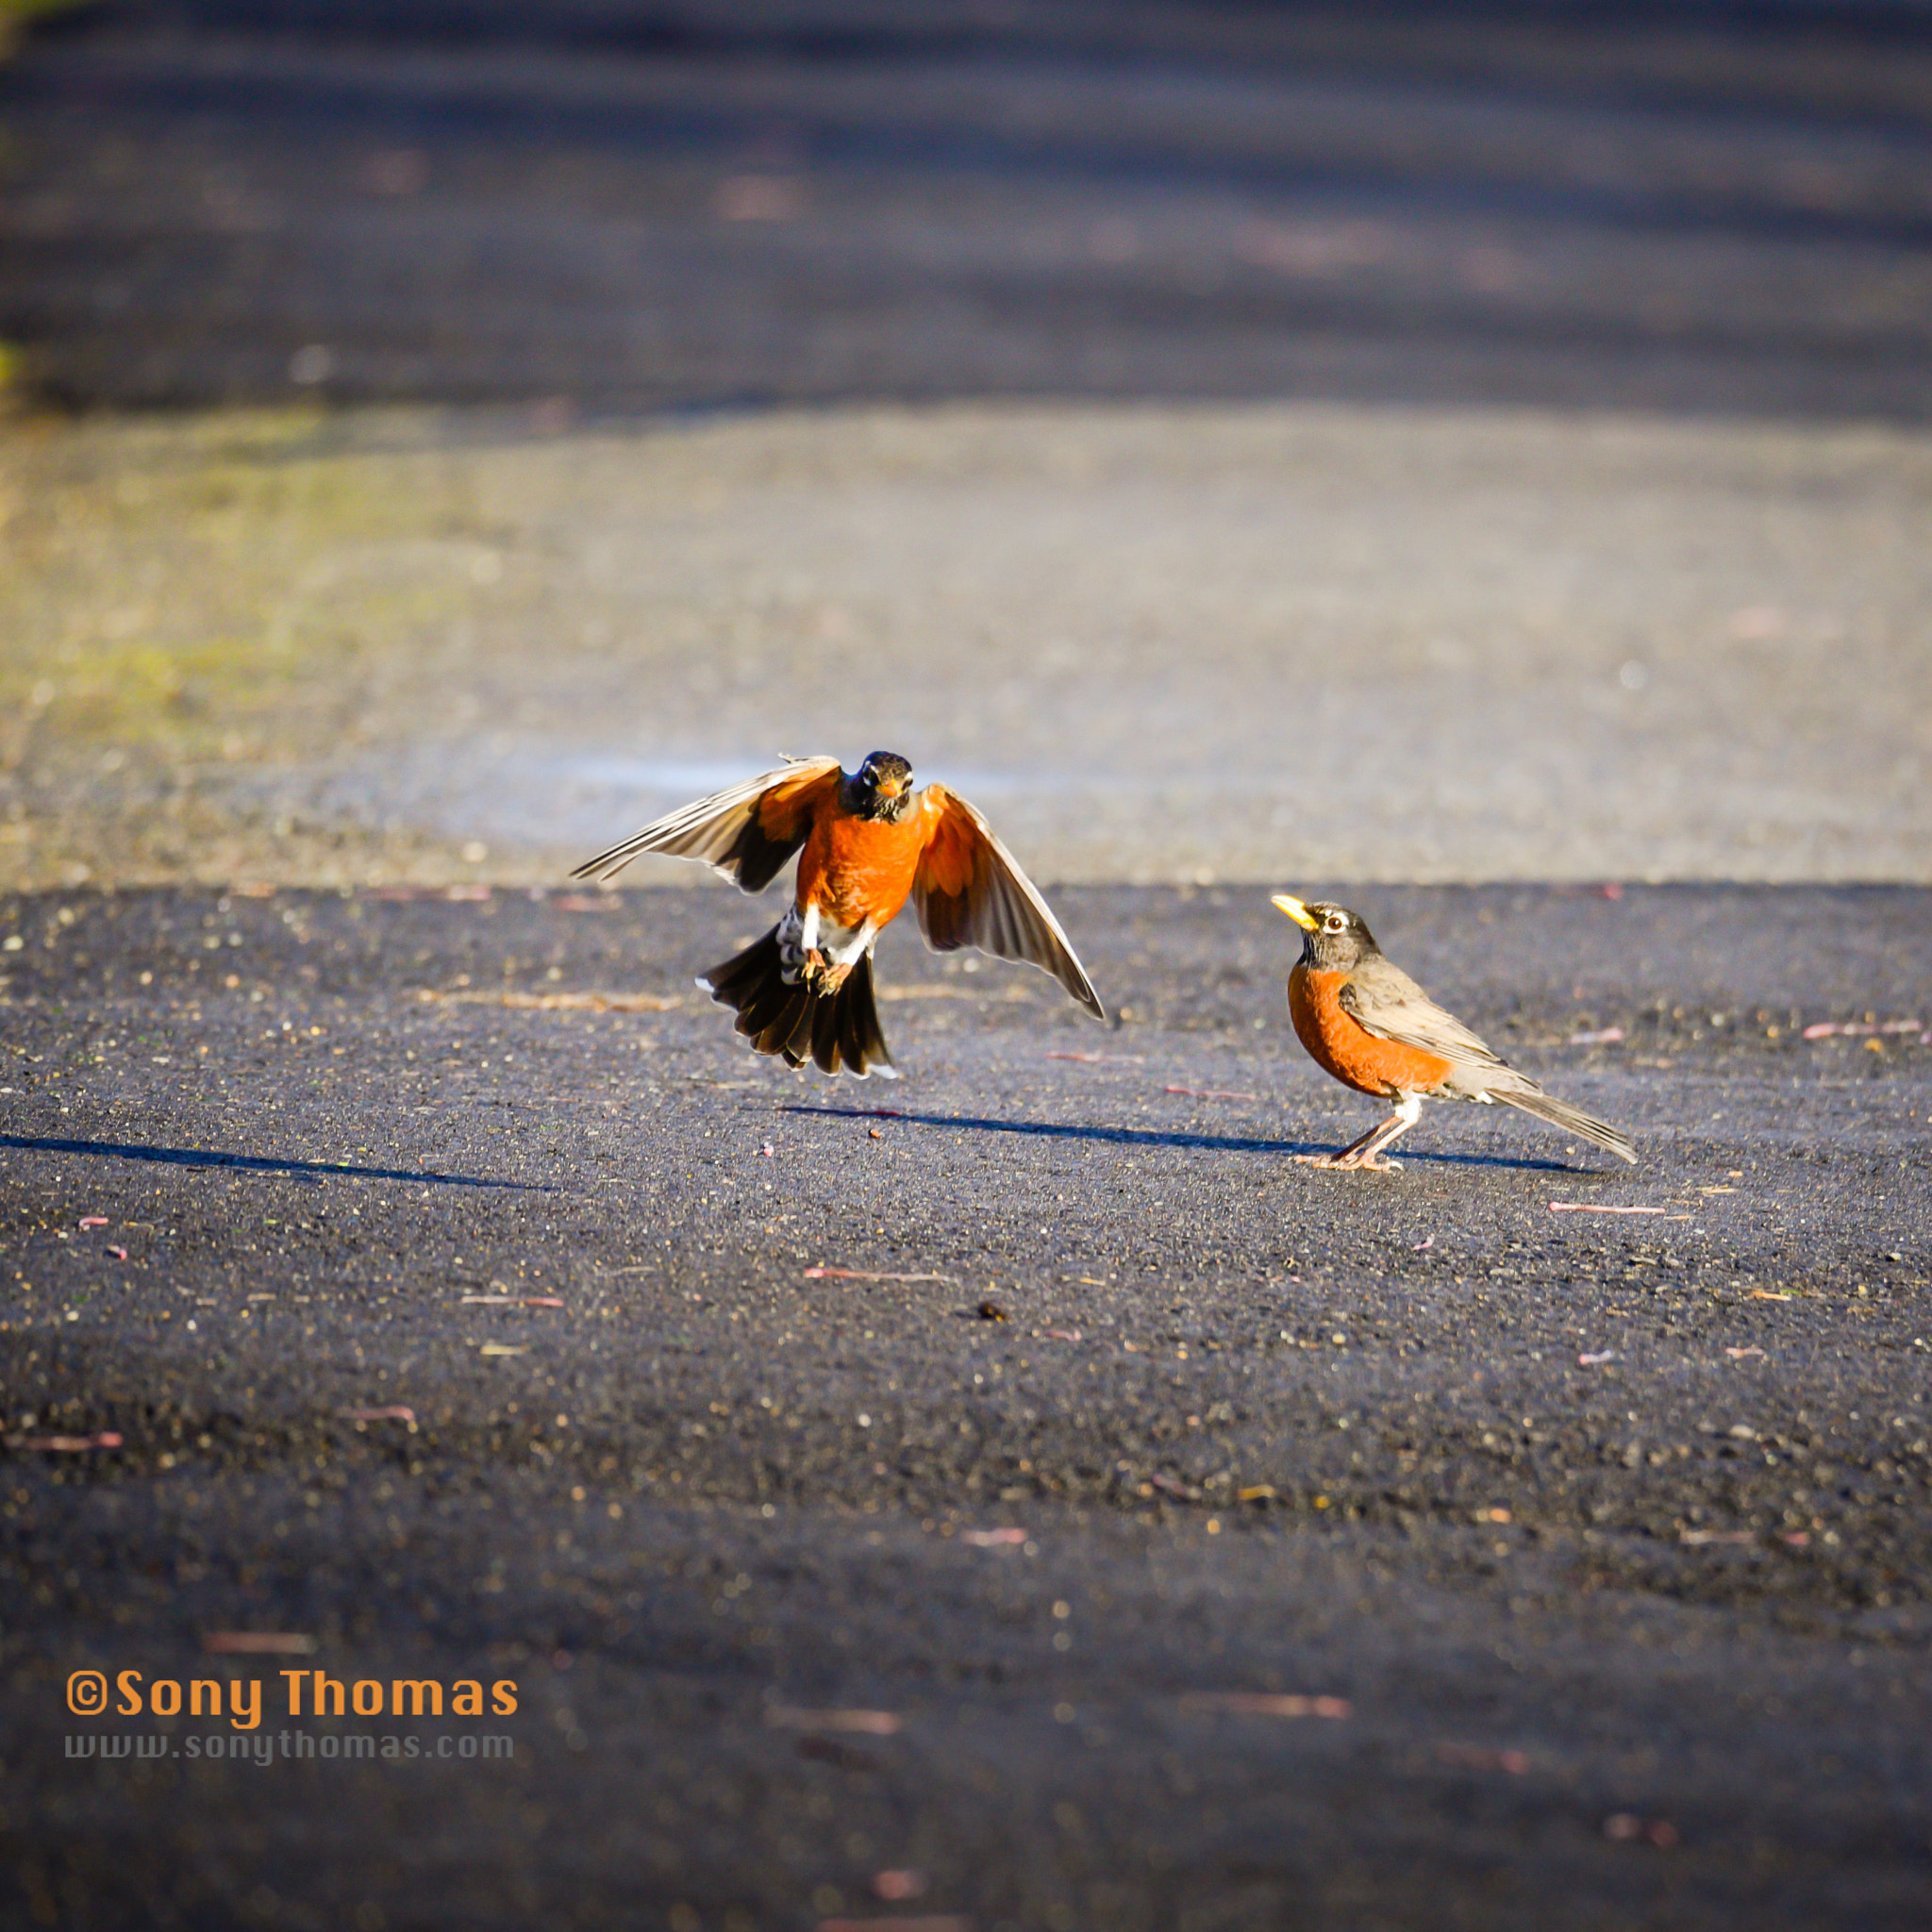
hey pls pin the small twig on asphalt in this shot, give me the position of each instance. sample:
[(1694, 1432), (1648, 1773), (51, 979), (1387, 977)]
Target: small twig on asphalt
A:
[(257, 1644), (1480, 1757), (395, 1413), (874, 1724), (512, 1301), (1589, 1208), (1173, 1486), (926, 1922), (66, 1445), (1137, 1060), (1208, 1092), (1857, 1029), (1626, 1827), (1590, 1361), (991, 1538), (1266, 1704), (1610, 1035), (864, 1274)]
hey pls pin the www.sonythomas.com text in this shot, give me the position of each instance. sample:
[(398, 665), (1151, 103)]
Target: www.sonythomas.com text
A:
[(272, 1747)]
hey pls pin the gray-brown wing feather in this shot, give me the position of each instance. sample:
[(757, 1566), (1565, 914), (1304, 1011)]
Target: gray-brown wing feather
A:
[(1384, 1001), (1000, 910), (722, 830)]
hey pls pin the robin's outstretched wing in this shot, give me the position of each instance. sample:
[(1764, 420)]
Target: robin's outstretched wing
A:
[(1384, 1001), (747, 833), (969, 892)]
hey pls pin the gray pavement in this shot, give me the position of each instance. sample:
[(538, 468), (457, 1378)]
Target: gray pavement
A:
[(1154, 643), (1701, 208), (1600, 1536)]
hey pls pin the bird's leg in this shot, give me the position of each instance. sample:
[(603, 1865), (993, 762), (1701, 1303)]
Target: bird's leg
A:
[(811, 962), (1366, 1153), (827, 969), (845, 957)]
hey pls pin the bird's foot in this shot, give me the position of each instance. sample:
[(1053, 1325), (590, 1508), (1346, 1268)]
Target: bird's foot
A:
[(821, 975), (1372, 1163)]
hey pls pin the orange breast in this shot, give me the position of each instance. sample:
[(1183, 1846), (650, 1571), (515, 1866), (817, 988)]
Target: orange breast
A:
[(858, 869), (1348, 1051)]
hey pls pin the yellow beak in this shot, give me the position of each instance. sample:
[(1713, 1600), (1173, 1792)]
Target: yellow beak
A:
[(1295, 910)]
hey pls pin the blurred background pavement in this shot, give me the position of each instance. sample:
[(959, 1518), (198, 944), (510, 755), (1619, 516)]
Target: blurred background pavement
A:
[(1235, 442)]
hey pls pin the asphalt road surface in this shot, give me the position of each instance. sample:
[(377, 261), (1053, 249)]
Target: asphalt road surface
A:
[(1709, 209), (1257, 643), (1144, 1530), (1021, 1495)]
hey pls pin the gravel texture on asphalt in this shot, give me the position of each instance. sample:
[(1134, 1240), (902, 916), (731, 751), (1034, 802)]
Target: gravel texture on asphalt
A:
[(1143, 1530), (1274, 444)]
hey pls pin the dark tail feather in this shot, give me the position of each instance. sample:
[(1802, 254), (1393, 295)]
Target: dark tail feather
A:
[(862, 1040), (1559, 1114), (781, 1016)]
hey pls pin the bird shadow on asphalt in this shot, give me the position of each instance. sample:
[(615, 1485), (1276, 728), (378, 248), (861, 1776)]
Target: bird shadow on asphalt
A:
[(1148, 1136), (256, 1163)]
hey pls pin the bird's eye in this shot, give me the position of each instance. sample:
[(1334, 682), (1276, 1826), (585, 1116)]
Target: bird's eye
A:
[(1333, 922)]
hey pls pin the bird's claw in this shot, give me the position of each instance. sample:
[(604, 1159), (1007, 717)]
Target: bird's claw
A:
[(820, 977), (1372, 1163)]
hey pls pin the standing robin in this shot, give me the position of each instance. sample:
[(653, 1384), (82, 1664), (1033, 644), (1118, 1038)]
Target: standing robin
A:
[(867, 841), (1370, 1024)]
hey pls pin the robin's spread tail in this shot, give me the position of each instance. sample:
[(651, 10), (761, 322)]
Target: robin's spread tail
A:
[(835, 1030), (1572, 1120)]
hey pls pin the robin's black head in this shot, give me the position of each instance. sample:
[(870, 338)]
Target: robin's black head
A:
[(881, 787), (1334, 939)]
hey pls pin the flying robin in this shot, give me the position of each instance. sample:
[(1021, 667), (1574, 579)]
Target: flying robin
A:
[(1370, 1024), (867, 841)]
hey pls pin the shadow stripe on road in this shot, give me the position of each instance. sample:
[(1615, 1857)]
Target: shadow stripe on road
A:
[(256, 1163), (1147, 1137)]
